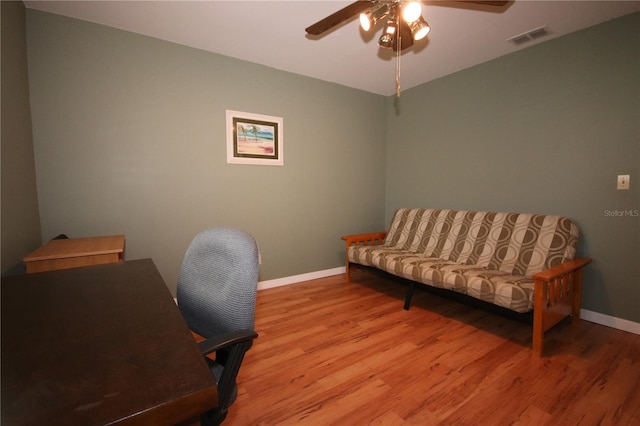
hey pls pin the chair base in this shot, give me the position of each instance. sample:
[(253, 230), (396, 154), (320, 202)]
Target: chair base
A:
[(213, 417)]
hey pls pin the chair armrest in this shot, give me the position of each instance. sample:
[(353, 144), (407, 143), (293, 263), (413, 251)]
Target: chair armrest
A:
[(226, 340), (374, 238), (562, 269)]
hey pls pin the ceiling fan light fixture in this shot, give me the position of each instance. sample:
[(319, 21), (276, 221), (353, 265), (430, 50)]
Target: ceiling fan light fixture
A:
[(411, 11), (365, 21), (390, 27), (404, 22), (369, 19), (386, 40), (419, 29)]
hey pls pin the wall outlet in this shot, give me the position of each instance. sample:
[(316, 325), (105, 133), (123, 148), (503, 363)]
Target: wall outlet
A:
[(623, 181)]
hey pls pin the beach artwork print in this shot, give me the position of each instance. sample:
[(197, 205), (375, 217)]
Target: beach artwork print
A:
[(254, 139)]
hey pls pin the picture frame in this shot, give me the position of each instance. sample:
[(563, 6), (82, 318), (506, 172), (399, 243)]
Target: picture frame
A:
[(254, 139)]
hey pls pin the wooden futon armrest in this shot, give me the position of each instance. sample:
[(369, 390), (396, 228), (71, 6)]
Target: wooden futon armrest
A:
[(557, 293), (370, 239), (562, 269)]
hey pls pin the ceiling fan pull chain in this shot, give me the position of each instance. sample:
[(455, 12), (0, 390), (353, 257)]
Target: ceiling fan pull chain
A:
[(398, 77), (398, 49)]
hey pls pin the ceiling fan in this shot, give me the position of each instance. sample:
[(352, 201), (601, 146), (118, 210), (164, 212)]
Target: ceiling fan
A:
[(403, 22)]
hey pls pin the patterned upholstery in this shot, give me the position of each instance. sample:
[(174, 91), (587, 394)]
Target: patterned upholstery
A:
[(487, 255)]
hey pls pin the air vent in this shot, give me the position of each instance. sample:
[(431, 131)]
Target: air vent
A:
[(530, 35)]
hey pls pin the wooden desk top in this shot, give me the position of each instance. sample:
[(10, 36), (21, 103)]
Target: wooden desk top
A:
[(77, 247), (98, 345)]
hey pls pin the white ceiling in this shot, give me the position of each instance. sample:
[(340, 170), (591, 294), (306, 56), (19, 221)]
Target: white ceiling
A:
[(272, 33)]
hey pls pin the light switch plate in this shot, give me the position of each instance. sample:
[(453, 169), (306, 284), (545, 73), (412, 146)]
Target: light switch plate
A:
[(623, 181)]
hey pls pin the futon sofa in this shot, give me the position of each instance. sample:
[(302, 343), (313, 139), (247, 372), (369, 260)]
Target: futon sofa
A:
[(522, 262)]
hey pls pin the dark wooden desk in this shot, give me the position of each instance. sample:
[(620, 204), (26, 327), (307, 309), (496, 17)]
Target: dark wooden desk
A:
[(99, 345)]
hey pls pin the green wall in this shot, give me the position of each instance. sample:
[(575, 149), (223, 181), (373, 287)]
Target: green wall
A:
[(129, 135), (20, 215), (129, 138), (544, 130)]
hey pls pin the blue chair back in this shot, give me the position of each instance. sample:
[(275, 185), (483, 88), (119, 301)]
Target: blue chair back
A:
[(218, 282)]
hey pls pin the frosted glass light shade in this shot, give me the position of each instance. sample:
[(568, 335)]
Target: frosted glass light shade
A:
[(411, 11), (419, 29)]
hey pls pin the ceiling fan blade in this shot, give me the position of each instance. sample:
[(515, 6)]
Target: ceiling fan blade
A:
[(480, 2), (340, 16)]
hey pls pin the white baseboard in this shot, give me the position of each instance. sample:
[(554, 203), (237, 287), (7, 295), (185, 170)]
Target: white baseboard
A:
[(595, 317), (278, 282), (295, 279), (609, 321)]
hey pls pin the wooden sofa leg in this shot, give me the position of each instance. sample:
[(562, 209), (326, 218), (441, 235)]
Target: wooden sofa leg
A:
[(538, 338), (577, 296), (348, 272), (407, 300), (539, 305)]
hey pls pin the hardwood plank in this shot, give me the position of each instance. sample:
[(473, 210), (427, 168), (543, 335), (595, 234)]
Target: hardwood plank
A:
[(338, 352)]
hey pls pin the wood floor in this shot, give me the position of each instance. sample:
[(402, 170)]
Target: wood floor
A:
[(338, 353)]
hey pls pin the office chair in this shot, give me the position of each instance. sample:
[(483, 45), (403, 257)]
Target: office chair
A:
[(217, 297)]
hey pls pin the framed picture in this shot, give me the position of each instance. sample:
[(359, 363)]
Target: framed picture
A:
[(254, 139)]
